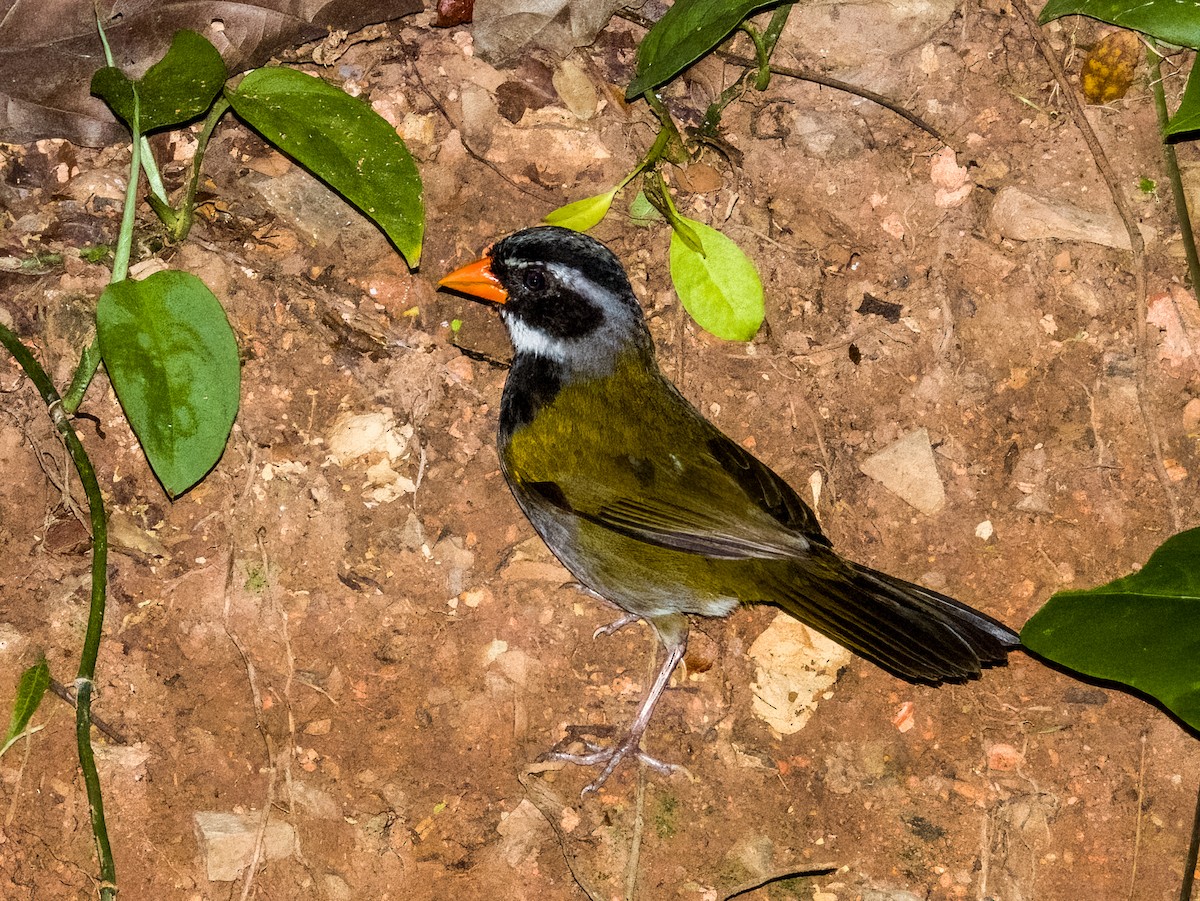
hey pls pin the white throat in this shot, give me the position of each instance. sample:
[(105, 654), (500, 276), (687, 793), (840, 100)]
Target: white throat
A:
[(527, 339)]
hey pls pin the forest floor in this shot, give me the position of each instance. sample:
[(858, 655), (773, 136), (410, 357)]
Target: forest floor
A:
[(376, 649)]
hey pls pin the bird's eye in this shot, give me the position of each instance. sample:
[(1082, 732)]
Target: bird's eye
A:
[(534, 279)]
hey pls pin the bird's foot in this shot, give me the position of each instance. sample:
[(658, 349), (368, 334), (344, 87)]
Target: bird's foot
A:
[(596, 754), (616, 625)]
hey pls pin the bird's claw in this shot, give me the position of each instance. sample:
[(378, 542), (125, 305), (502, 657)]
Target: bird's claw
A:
[(596, 754), (615, 626)]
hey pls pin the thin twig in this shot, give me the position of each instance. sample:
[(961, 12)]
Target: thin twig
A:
[(1136, 244), (814, 77), (1137, 828), (551, 807), (985, 855), (778, 876), (291, 670), (846, 88), (65, 693), (1189, 866), (478, 157), (945, 343), (16, 788), (269, 800)]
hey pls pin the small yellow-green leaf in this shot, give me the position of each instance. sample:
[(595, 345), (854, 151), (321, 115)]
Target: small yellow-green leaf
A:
[(583, 214), (719, 288), (34, 682)]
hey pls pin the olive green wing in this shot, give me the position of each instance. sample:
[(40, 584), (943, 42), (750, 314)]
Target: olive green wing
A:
[(713, 498)]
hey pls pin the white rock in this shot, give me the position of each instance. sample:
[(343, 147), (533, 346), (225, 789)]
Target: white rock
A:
[(357, 435), (522, 832), (479, 117), (318, 215), (906, 468), (1023, 217), (227, 842), (575, 89), (794, 665)]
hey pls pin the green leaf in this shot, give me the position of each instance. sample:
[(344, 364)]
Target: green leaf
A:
[(343, 142), (687, 31), (642, 212), (31, 688), (720, 289), (1173, 21), (173, 361), (1142, 631), (1187, 117), (178, 88), (583, 214)]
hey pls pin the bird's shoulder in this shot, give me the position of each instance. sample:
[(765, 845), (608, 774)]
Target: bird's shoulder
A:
[(629, 452)]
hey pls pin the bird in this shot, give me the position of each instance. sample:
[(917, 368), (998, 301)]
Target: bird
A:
[(650, 506)]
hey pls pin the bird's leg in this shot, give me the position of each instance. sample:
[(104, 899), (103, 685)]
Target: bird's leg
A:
[(672, 631)]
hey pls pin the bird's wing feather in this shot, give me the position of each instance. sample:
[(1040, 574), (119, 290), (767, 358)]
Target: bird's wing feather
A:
[(766, 489), (723, 504), (663, 475)]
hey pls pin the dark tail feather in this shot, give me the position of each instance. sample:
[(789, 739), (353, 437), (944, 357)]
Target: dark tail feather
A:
[(910, 631)]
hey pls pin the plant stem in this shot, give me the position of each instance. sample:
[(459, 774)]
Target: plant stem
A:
[(1189, 866), (91, 645), (764, 46), (187, 207), (669, 142), (89, 360), (660, 199), (153, 176), (1172, 164), (129, 213)]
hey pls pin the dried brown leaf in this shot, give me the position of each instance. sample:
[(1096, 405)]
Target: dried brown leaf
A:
[(1109, 69), (49, 50)]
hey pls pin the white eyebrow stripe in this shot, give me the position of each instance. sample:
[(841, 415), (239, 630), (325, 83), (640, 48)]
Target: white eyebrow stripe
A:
[(599, 297)]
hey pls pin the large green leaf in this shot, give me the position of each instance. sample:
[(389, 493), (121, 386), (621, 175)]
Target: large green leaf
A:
[(173, 361), (686, 32), (34, 682), (1142, 631), (719, 287), (178, 88), (1187, 117), (344, 143), (1173, 21)]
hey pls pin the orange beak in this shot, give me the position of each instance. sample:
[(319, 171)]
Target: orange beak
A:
[(478, 280)]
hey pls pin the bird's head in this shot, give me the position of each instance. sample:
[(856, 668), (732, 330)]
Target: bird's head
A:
[(562, 295)]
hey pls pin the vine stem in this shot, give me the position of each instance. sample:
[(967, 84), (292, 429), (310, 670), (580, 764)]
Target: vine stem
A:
[(811, 76), (84, 680), (1189, 866), (1172, 164), (187, 207), (89, 360)]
